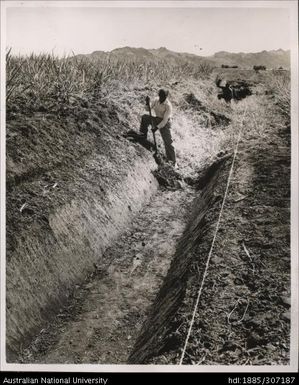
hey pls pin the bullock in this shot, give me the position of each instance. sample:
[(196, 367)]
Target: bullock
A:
[(229, 92)]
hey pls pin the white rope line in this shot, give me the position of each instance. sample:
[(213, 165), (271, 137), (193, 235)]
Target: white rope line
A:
[(213, 241)]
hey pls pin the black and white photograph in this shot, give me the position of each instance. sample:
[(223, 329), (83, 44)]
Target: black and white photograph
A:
[(149, 186)]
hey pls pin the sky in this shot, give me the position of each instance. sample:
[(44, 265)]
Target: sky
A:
[(201, 31)]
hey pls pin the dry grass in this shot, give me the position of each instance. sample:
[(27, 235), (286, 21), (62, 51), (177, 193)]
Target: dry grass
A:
[(280, 86), (196, 141), (49, 84), (76, 87)]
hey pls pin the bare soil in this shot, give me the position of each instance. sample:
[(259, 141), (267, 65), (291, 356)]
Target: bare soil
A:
[(243, 316), (136, 305), (105, 315)]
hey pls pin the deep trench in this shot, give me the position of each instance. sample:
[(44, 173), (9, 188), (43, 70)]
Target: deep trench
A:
[(151, 324), (158, 332), (53, 257)]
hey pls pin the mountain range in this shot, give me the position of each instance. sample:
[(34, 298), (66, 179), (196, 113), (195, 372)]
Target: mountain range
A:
[(270, 59)]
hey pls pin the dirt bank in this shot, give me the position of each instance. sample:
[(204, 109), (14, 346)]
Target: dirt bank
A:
[(74, 184), (64, 252), (121, 265), (104, 317), (157, 333), (73, 188), (243, 315)]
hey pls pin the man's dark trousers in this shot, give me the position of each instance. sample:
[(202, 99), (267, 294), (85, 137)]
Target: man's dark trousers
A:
[(146, 121)]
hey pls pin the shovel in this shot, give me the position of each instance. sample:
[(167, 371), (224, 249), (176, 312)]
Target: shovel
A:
[(154, 135)]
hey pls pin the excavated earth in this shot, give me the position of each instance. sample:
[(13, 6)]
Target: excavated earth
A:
[(243, 315), (133, 304)]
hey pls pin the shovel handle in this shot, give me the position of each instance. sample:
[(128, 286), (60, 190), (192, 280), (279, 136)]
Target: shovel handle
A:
[(153, 125), (154, 135)]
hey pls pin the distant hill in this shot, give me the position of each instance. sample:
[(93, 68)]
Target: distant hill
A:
[(142, 54), (270, 59)]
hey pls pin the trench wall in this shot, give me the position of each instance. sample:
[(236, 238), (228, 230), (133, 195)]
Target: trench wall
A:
[(48, 261), (157, 332)]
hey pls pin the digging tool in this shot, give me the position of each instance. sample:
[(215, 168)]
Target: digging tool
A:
[(153, 126)]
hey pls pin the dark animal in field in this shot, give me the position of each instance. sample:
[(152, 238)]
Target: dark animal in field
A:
[(227, 66), (230, 91), (259, 68)]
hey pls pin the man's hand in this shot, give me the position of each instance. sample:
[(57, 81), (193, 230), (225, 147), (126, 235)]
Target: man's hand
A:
[(147, 100)]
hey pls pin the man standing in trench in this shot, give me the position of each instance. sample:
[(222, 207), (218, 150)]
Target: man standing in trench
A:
[(162, 121)]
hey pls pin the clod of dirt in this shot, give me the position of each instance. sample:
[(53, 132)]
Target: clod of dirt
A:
[(168, 177), (136, 137), (228, 346), (193, 101), (207, 173), (219, 119), (254, 340), (286, 316), (204, 175), (212, 118), (286, 301)]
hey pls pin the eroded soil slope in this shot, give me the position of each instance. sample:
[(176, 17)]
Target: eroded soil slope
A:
[(105, 315), (243, 315), (114, 316)]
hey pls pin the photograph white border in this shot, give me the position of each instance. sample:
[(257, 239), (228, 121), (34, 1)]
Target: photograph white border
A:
[(293, 367)]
